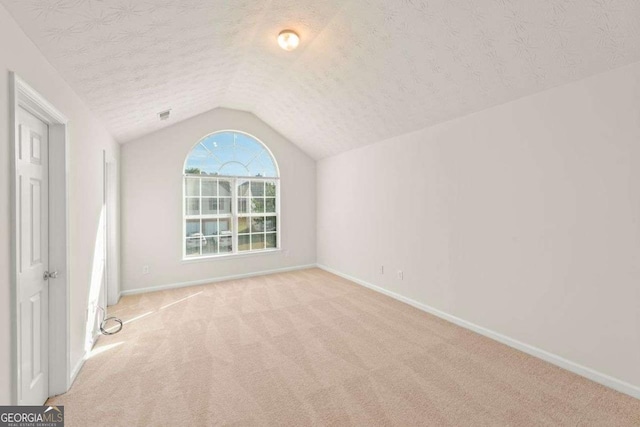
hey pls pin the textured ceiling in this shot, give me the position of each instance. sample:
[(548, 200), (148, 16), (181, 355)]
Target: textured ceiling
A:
[(365, 70)]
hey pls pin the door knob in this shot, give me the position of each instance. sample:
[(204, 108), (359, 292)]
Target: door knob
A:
[(50, 275)]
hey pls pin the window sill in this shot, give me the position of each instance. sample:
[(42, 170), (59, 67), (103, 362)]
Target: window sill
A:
[(229, 256)]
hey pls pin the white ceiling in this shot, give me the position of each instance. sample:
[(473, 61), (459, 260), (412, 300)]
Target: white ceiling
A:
[(365, 70)]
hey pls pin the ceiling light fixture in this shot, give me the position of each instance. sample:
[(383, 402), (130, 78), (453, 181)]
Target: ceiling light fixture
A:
[(288, 40)]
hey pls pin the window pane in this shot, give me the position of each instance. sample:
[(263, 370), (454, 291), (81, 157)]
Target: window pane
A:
[(270, 223), (210, 227), (270, 205), (257, 188), (193, 186), (224, 205), (192, 206), (192, 247), (225, 244), (209, 198), (209, 206), (243, 225), (243, 188), (257, 224), (209, 187), (210, 246), (257, 241), (224, 188), (192, 228), (270, 189), (243, 205), (231, 154), (244, 243), (224, 226), (271, 240), (257, 205)]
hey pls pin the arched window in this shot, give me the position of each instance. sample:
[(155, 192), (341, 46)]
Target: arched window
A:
[(231, 196)]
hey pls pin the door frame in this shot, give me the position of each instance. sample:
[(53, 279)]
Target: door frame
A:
[(112, 230), (21, 95)]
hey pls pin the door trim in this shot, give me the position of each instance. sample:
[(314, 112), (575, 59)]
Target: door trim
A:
[(24, 96)]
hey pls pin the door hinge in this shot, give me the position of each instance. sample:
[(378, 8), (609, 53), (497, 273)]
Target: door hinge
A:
[(50, 275)]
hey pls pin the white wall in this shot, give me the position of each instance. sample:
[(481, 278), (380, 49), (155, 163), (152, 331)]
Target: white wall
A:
[(152, 170), (523, 219), (87, 140)]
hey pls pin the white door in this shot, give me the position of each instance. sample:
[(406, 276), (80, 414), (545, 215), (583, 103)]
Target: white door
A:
[(33, 259)]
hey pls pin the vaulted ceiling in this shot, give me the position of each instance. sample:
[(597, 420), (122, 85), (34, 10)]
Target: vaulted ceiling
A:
[(365, 70)]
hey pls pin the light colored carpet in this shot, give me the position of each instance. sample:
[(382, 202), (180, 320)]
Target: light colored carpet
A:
[(310, 348)]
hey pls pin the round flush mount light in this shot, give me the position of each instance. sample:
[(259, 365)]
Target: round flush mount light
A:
[(288, 40)]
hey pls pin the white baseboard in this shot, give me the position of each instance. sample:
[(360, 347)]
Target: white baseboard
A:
[(212, 280), (76, 370), (117, 300), (606, 380)]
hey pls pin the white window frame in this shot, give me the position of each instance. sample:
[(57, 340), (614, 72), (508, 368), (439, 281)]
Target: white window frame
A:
[(234, 206), (234, 217)]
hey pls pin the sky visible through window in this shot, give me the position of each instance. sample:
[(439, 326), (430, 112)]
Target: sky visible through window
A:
[(230, 154)]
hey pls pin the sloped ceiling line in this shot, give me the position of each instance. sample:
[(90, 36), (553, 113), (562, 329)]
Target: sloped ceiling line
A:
[(366, 70)]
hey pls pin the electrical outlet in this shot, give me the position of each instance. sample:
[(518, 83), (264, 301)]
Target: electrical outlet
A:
[(145, 269), (400, 275), (382, 269)]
